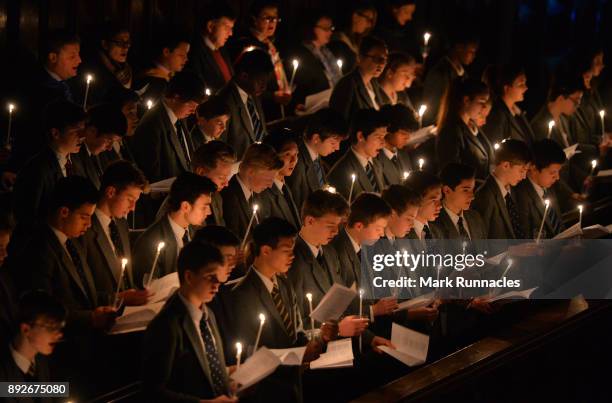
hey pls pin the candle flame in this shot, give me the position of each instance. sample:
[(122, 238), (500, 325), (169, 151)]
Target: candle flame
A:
[(160, 246), (249, 49), (361, 292), (239, 348), (602, 113), (510, 262), (422, 110), (426, 37), (262, 318), (295, 63), (421, 163), (11, 107), (547, 202), (331, 189), (551, 124), (309, 297), (207, 92), (580, 207), (406, 174), (339, 62), (149, 104), (89, 78), (496, 146), (255, 208), (353, 177), (124, 263), (593, 164)]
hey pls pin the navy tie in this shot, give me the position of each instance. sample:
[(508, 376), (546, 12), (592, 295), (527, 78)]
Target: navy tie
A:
[(319, 171), (217, 370), (257, 126), (514, 217), (553, 217), (372, 177)]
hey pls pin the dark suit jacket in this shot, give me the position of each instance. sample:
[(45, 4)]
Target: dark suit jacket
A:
[(10, 372), (216, 206), (539, 123), (476, 227), (340, 176), (531, 210), (310, 78), (308, 276), (277, 206), (175, 365), (501, 124), (492, 208), (156, 146), (350, 95), (239, 133), (202, 62), (436, 233), (456, 143), (245, 302), (89, 165), (234, 201), (393, 174), (108, 157), (145, 249), (437, 81), (303, 181), (586, 122), (105, 264), (350, 266)]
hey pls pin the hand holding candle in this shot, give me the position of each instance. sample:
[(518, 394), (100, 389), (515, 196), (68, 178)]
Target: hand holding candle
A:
[(262, 320), (160, 246), (547, 204), (353, 177)]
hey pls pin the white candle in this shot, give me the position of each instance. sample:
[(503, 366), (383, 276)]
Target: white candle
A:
[(425, 53), (360, 315), (238, 355), (353, 177), (551, 124), (593, 165), (149, 103), (262, 319), (580, 207), (421, 163), (124, 263), (11, 108), (602, 114), (339, 62), (88, 80), (160, 246), (422, 110), (426, 37), (295, 64), (246, 234), (331, 189), (312, 324), (547, 204)]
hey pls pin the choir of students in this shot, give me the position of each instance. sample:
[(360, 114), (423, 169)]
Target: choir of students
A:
[(259, 215)]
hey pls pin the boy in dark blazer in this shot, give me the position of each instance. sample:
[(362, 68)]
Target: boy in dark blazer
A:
[(183, 358), (393, 158), (531, 193), (257, 171), (325, 130), (242, 96), (367, 139), (188, 205), (107, 241), (495, 201), (429, 188), (161, 144), (212, 117)]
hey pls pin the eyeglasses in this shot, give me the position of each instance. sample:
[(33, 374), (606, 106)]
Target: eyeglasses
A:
[(326, 29), (378, 59), (51, 328), (270, 19), (121, 44)]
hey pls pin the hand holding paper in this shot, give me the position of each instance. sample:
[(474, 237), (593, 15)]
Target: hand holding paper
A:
[(410, 347), (257, 367)]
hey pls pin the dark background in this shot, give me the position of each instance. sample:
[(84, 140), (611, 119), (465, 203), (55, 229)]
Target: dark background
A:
[(539, 33)]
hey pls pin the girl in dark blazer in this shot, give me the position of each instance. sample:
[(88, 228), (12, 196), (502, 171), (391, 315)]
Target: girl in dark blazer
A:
[(396, 79), (459, 139)]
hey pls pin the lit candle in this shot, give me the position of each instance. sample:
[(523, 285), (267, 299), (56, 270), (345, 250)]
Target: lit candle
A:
[(547, 204), (207, 92), (602, 114), (160, 246), (124, 263), (426, 38), (339, 62), (149, 103), (593, 165), (580, 208), (262, 319), (353, 177), (11, 108), (360, 315), (238, 355), (422, 110), (295, 64), (246, 234), (406, 174), (88, 80), (331, 189), (551, 124), (312, 325), (496, 146), (421, 163)]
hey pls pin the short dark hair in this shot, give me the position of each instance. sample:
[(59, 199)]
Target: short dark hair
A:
[(254, 63), (422, 181), (121, 174), (108, 119), (213, 107), (514, 151), (565, 84), (61, 114), (208, 155), (217, 11), (216, 235), (73, 192), (397, 60), (269, 232), (547, 152), (371, 42), (310, 21), (35, 304), (498, 76), (321, 202), (366, 121), (57, 39), (186, 85), (399, 198), (399, 117), (119, 96), (326, 123), (280, 138), (258, 5), (110, 29), (168, 38), (261, 156), (188, 187), (197, 256), (367, 208), (454, 173)]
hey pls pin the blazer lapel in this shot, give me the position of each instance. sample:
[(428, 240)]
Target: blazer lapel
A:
[(350, 252), (266, 299), (244, 113), (318, 272), (362, 177), (501, 204), (362, 92), (171, 249), (174, 139), (112, 261), (447, 223), (196, 343)]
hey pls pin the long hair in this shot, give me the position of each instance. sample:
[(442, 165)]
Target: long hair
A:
[(452, 101)]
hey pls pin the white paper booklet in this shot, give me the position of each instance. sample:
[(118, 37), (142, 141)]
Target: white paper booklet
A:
[(136, 318), (163, 288), (334, 303), (411, 347), (418, 302), (255, 368), (339, 354), (571, 232), (524, 294), (162, 186), (316, 101), (421, 135), (571, 151), (290, 356)]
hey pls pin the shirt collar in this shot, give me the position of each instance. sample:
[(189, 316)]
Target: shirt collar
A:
[(269, 284), (315, 251), (279, 184), (390, 154), (194, 313), (62, 159), (170, 113), (209, 43), (356, 246), (539, 189), (313, 154), (458, 68), (504, 191), (418, 228), (22, 362), (179, 231), (454, 217), (103, 218), (247, 192), (62, 238), (53, 75), (362, 160), (243, 94)]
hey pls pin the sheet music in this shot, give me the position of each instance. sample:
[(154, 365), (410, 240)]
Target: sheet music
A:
[(290, 356), (571, 232), (411, 347), (497, 259), (163, 288), (605, 172), (315, 102), (333, 304), (255, 368), (339, 354), (418, 302), (136, 318), (162, 186), (571, 151), (525, 294)]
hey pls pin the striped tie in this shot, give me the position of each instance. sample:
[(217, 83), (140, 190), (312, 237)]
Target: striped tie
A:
[(372, 177), (319, 171), (282, 311), (553, 217), (257, 126)]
